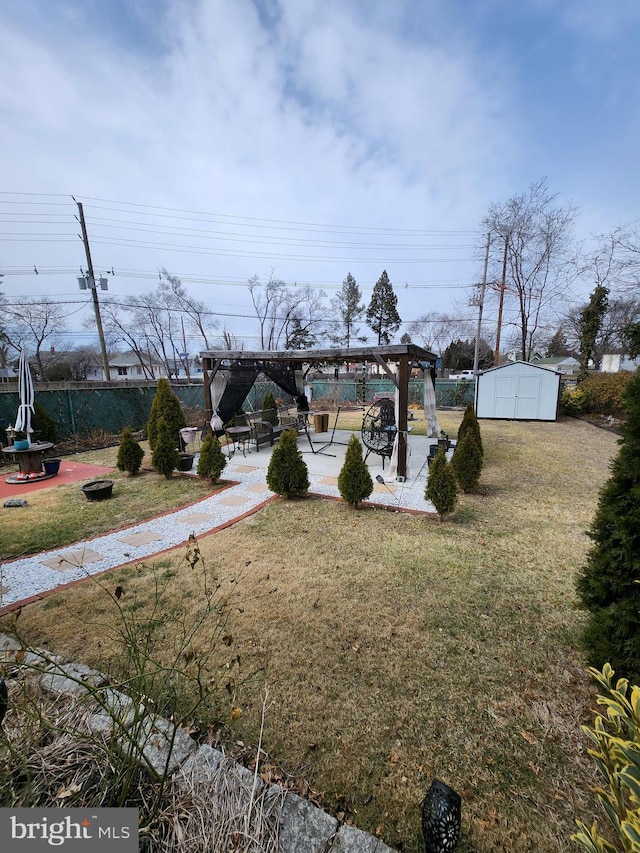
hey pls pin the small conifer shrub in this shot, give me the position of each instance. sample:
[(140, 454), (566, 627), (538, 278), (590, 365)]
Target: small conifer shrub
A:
[(167, 406), (608, 584), (212, 460), (287, 473), (130, 454), (441, 488), (165, 457), (44, 424), (467, 462), (269, 409), (354, 480), (471, 424)]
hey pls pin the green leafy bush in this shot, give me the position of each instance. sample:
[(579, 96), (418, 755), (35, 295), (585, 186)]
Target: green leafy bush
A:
[(467, 461), (269, 409), (470, 424), (442, 490), (608, 584), (167, 406), (130, 454), (354, 480), (212, 460), (615, 748), (606, 392), (287, 473), (165, 457), (574, 401)]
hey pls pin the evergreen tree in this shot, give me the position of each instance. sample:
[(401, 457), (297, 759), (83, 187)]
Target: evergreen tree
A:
[(167, 406), (591, 318), (287, 473), (269, 410), (130, 454), (470, 424), (382, 313), (44, 424), (441, 488), (349, 310), (467, 462), (354, 480), (558, 346), (212, 460), (165, 457), (608, 584)]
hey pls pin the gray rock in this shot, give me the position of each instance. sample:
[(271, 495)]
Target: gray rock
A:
[(73, 679), (202, 766), (304, 828), (9, 647), (14, 502), (352, 840), (162, 746)]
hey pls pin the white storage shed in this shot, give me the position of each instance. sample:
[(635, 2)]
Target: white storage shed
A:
[(518, 391)]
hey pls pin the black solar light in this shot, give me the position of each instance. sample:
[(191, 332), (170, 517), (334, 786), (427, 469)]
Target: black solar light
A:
[(4, 699), (441, 811)]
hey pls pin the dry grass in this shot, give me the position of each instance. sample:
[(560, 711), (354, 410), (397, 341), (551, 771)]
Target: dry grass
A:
[(62, 515), (397, 649)]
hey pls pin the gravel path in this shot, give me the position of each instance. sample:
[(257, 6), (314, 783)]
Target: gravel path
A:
[(31, 576)]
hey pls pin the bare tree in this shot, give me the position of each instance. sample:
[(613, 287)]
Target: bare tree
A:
[(120, 327), (174, 297), (227, 340), (436, 330), (537, 237), (286, 314), (32, 323)]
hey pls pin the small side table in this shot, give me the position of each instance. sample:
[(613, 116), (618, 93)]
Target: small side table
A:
[(29, 463), (240, 437)]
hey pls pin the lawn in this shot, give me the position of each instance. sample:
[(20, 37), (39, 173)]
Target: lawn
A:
[(62, 515), (394, 648)]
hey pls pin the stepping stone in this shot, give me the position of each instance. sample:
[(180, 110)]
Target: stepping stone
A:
[(329, 481), (138, 539), (378, 487), (196, 518), (73, 559), (258, 488), (3, 590), (234, 500), (244, 469)]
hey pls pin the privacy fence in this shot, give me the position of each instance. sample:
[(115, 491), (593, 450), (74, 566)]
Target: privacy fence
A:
[(81, 409)]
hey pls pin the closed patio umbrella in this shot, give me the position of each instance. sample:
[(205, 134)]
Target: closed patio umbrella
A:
[(26, 394)]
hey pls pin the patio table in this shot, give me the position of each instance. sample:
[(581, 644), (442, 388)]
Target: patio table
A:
[(29, 463)]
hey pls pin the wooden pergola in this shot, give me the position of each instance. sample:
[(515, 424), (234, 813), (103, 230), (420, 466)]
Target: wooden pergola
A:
[(404, 356)]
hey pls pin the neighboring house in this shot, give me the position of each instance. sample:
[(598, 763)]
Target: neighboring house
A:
[(128, 365), (7, 374), (565, 364), (615, 362)]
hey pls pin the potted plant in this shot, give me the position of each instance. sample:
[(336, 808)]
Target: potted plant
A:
[(185, 461), (21, 441)]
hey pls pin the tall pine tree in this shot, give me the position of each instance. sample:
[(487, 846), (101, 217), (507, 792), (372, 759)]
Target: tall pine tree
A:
[(382, 313), (348, 311), (608, 585), (591, 318)]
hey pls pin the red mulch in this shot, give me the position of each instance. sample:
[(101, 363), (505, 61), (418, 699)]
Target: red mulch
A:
[(70, 472)]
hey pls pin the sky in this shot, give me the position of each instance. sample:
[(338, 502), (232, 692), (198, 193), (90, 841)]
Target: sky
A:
[(304, 139)]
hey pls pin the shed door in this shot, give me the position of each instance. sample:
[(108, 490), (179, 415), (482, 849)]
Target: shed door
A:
[(528, 400), (506, 396)]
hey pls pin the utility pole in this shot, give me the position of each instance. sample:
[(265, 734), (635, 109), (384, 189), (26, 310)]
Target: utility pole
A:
[(94, 293), (483, 287), (503, 287)]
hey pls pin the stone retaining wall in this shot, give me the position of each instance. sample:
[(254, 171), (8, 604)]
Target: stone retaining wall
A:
[(163, 748)]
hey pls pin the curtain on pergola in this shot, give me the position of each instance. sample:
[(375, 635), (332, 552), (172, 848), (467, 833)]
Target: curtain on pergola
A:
[(429, 397)]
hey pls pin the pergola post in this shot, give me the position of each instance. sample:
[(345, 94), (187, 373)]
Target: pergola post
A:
[(403, 404)]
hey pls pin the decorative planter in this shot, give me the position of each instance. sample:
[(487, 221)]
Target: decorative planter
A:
[(98, 490), (21, 444), (51, 466), (186, 461)]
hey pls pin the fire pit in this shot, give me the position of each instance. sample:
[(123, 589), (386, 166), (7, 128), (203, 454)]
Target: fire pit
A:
[(98, 490)]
